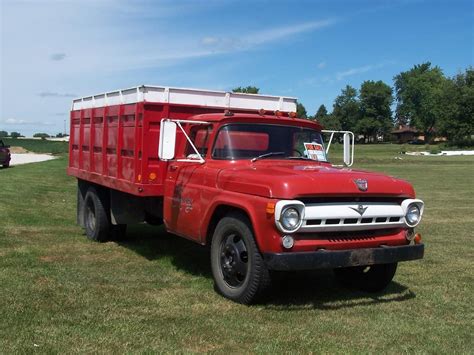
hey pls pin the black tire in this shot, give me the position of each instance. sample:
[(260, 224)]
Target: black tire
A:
[(96, 218), (373, 278), (237, 266), (6, 165)]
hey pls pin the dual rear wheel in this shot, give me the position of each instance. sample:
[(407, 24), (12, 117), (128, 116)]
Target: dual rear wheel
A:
[(98, 225)]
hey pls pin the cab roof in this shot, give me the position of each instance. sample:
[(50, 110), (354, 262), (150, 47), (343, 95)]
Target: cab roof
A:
[(257, 118)]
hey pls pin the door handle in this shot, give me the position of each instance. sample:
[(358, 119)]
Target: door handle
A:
[(173, 167)]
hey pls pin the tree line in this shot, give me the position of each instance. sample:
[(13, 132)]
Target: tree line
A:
[(425, 99)]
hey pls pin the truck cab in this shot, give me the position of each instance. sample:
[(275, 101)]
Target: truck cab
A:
[(260, 190), (262, 187)]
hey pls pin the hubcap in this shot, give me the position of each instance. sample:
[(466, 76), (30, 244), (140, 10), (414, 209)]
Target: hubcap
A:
[(234, 260), (90, 217)]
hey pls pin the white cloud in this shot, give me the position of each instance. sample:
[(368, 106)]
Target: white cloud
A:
[(256, 39), (57, 56), (359, 70), (22, 122), (321, 65), (353, 71), (55, 94)]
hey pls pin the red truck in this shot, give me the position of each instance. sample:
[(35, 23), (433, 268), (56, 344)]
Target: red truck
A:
[(243, 175)]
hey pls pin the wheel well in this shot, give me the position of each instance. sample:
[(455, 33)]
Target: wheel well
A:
[(219, 213)]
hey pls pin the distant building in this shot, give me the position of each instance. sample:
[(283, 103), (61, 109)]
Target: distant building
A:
[(405, 134)]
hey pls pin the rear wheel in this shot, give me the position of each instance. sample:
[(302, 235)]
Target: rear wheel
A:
[(372, 278), (96, 219), (238, 268), (6, 165)]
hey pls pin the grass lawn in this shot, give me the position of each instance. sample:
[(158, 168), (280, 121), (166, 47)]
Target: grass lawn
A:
[(62, 293), (38, 145)]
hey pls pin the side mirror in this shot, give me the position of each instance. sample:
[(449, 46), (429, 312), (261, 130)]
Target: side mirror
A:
[(167, 143), (347, 149)]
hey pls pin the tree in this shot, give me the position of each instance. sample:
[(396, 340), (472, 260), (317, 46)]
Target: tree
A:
[(3, 134), (419, 93), (321, 114), (41, 135), (15, 135), (457, 121), (375, 112), (327, 120), (301, 110), (346, 108), (247, 89)]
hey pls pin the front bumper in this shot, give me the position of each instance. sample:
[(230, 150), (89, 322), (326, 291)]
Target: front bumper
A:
[(331, 259)]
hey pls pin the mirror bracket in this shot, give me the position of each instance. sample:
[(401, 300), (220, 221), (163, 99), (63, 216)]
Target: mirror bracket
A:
[(167, 137), (348, 139)]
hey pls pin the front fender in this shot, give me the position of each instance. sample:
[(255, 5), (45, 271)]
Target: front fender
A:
[(265, 232)]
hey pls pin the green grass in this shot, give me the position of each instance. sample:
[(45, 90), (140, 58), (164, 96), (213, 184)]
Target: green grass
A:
[(154, 292), (38, 145)]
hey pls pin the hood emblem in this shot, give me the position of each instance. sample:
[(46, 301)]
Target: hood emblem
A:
[(360, 209), (361, 184)]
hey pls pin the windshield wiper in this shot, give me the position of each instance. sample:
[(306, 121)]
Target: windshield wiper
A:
[(303, 158), (267, 155)]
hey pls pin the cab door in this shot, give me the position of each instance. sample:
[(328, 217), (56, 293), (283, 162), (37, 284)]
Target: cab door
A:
[(183, 187)]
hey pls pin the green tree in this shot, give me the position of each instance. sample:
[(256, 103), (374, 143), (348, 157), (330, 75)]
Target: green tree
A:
[(247, 89), (346, 108), (419, 93), (457, 121), (3, 134), (321, 114), (301, 111), (15, 135), (41, 135), (375, 112), (327, 120)]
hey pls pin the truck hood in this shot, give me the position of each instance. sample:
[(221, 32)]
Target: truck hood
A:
[(291, 180)]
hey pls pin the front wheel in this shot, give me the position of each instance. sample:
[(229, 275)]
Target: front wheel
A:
[(372, 278), (237, 266)]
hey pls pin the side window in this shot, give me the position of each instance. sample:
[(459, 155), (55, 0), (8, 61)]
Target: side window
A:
[(200, 137)]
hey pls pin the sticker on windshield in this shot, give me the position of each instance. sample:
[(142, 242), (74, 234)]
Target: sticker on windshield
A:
[(315, 151)]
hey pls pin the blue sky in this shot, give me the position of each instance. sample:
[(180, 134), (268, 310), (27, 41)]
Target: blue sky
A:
[(52, 51)]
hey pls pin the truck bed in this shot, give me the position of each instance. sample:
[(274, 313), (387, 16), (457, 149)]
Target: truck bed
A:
[(114, 136)]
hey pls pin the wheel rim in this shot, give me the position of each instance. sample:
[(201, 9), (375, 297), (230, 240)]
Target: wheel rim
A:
[(234, 261), (90, 217)]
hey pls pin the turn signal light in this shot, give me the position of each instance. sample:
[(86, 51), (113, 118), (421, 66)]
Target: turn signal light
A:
[(270, 208), (417, 238), (152, 176)]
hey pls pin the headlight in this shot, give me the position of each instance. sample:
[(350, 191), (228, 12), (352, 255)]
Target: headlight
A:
[(413, 215), (290, 218)]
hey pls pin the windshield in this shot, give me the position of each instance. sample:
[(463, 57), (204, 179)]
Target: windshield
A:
[(249, 141)]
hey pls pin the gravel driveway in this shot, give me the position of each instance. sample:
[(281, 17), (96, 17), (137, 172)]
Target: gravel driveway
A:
[(25, 158)]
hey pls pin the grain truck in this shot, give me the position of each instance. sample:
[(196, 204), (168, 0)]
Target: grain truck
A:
[(243, 175)]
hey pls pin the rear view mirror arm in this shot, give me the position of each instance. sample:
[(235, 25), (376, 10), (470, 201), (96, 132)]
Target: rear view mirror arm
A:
[(201, 160), (351, 141)]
